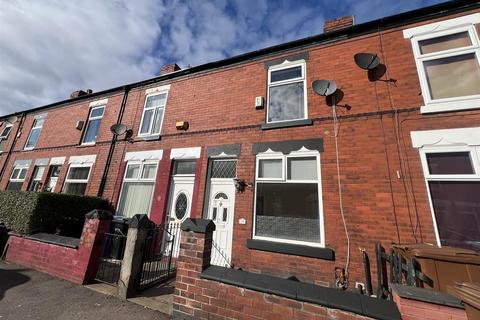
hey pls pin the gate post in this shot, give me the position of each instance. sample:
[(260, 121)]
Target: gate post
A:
[(132, 258)]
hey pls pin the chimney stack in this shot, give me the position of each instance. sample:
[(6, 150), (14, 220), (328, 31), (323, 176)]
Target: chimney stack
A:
[(337, 24), (169, 68), (79, 93)]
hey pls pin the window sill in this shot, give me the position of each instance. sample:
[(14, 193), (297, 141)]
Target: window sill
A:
[(292, 249), (148, 138), (451, 106), (287, 124), (84, 145)]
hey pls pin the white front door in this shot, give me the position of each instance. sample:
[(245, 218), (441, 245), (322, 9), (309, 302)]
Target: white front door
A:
[(221, 209), (180, 206)]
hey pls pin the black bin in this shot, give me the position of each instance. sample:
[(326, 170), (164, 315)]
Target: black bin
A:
[(118, 238)]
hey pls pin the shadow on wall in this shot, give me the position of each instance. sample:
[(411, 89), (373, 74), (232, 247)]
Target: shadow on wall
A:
[(10, 278)]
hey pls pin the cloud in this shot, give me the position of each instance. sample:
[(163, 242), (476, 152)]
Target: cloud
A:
[(50, 48)]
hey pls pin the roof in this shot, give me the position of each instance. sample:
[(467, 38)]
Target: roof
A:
[(418, 15)]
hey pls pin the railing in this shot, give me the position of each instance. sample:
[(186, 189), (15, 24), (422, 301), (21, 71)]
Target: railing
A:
[(111, 260), (401, 271), (158, 258), (219, 256)]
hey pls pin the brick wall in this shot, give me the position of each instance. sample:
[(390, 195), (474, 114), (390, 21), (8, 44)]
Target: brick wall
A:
[(385, 197), (197, 298), (414, 309), (75, 265)]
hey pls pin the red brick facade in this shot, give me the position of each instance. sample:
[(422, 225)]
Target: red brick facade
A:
[(384, 193)]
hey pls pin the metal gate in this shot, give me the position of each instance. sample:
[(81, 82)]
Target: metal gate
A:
[(158, 260), (111, 260)]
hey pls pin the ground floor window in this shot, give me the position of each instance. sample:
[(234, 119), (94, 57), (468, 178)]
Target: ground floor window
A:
[(17, 178), (77, 179), (137, 189), (453, 182), (288, 197), (36, 182)]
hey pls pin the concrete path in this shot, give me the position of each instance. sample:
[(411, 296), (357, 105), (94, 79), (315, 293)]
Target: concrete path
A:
[(28, 294)]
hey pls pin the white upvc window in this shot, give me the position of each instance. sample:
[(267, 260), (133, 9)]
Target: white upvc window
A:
[(77, 179), (287, 97), (137, 189), (288, 198), (17, 178), (450, 161), (93, 125), (34, 133), (153, 113), (447, 56), (36, 182), (4, 136)]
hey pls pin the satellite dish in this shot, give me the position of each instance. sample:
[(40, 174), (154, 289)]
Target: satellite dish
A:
[(366, 61), (118, 129), (12, 119), (324, 87)]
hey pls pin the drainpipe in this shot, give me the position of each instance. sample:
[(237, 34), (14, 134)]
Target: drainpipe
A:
[(112, 143), (12, 146)]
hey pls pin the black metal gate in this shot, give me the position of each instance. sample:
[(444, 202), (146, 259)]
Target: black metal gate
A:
[(111, 261), (159, 258)]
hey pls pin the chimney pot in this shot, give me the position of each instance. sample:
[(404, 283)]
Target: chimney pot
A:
[(169, 68), (338, 24)]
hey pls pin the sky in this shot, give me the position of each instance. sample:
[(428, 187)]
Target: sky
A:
[(51, 48)]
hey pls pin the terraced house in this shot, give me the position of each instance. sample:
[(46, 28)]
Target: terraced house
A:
[(296, 177)]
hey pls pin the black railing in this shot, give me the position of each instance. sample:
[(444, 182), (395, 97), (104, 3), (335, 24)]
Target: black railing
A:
[(159, 255), (111, 260)]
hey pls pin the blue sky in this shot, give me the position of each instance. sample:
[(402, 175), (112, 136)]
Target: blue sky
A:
[(50, 48)]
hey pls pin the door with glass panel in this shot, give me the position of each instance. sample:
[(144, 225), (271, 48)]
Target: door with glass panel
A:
[(36, 182), (52, 179), (221, 208), (180, 200), (137, 189)]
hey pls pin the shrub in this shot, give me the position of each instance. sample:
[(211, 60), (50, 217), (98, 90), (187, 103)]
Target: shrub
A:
[(32, 212)]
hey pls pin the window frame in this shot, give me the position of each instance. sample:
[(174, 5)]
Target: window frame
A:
[(303, 79), (155, 113), (33, 180), (20, 168), (34, 126), (138, 179), (295, 154), (90, 118), (436, 30), (77, 165), (474, 152), (3, 136)]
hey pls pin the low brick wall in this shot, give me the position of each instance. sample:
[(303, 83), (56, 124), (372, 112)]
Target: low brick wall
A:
[(75, 265), (440, 306), (256, 296)]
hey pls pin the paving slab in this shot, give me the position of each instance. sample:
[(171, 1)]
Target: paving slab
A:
[(29, 294)]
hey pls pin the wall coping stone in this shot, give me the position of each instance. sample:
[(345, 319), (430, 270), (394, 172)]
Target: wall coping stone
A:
[(140, 221), (198, 225), (328, 297), (99, 214), (427, 295), (55, 239)]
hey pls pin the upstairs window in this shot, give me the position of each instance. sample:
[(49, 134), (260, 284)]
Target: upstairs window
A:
[(152, 117), (17, 178), (77, 179), (93, 125), (448, 64), (34, 133), (287, 98), (4, 136), (288, 198)]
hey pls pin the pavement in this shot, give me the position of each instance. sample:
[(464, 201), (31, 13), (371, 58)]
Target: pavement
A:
[(29, 294)]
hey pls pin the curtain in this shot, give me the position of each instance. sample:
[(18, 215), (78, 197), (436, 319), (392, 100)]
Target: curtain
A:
[(136, 198)]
